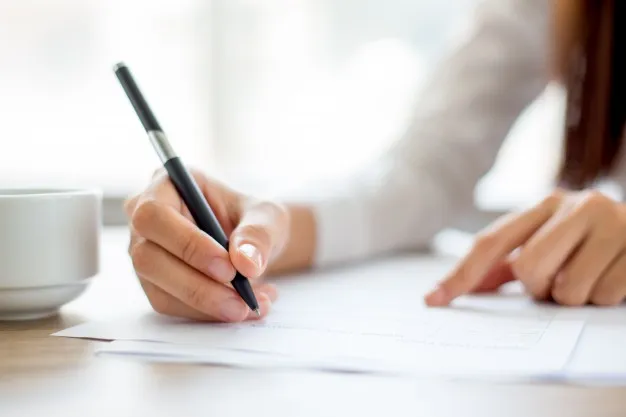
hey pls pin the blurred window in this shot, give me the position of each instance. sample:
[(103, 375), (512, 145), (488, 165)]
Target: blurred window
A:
[(263, 93)]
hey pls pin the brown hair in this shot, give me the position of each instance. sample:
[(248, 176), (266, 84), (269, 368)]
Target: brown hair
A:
[(587, 39)]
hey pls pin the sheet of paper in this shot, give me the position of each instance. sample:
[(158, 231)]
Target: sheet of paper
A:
[(598, 359), (191, 354), (175, 353), (432, 341), (601, 359), (607, 370), (372, 317)]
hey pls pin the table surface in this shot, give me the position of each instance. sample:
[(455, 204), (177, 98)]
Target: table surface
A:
[(59, 376)]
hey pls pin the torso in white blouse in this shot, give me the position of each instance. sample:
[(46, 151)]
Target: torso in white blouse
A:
[(427, 180)]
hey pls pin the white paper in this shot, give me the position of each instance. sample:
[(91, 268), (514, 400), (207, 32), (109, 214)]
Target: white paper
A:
[(177, 353), (599, 358), (587, 370), (372, 318), (431, 341)]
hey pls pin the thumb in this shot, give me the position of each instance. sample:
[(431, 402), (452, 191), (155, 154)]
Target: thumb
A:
[(259, 236)]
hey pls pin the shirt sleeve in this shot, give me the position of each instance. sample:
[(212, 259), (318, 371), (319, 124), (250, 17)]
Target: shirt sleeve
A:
[(427, 179)]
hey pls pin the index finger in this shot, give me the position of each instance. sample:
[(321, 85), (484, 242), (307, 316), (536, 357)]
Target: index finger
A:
[(490, 247), (157, 218)]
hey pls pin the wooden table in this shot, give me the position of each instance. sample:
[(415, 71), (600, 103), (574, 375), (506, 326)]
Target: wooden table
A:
[(42, 375)]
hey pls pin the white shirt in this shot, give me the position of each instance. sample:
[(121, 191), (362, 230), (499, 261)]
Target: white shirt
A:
[(427, 180)]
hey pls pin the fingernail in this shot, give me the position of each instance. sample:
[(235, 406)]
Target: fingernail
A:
[(233, 309), (252, 253), (221, 269)]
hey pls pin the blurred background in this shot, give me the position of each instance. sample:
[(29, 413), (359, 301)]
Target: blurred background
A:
[(263, 94)]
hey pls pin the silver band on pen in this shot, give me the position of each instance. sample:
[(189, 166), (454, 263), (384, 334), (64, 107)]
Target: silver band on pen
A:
[(161, 145)]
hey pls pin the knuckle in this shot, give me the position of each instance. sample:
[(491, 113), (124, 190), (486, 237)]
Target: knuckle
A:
[(605, 298), (145, 215), (554, 198), (538, 294), (159, 302), (567, 297), (607, 293), (196, 296), (190, 248), (141, 256), (565, 277), (594, 200), (520, 267), (525, 270)]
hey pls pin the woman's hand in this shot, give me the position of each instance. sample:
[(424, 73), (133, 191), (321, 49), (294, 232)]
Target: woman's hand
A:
[(182, 270), (570, 248)]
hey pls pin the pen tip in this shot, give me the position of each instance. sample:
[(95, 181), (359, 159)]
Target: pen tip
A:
[(258, 312)]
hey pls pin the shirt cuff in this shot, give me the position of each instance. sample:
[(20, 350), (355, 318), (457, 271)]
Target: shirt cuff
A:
[(342, 232)]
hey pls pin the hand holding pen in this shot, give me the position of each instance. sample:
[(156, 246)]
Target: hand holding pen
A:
[(194, 270)]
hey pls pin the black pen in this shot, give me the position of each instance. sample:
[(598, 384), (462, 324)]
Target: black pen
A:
[(181, 178)]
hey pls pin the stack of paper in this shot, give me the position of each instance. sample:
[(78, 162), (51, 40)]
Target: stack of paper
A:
[(371, 319), (439, 342)]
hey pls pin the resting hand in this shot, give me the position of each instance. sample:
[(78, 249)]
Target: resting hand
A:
[(569, 248)]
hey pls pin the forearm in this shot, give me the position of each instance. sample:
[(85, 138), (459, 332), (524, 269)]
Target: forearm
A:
[(426, 181)]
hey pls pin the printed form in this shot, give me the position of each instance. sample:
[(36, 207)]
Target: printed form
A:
[(368, 318), (433, 341)]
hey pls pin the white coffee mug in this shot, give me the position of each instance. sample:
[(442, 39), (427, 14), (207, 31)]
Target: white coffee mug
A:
[(49, 249)]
